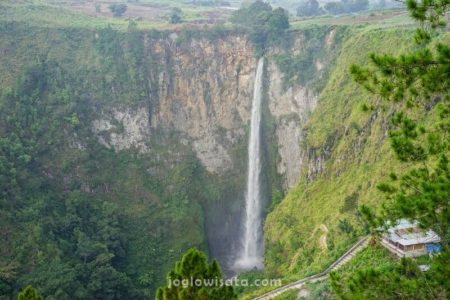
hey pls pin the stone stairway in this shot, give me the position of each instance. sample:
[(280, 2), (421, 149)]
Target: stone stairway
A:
[(358, 246)]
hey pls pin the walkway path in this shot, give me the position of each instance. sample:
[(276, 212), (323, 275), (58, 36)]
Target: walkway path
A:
[(320, 276)]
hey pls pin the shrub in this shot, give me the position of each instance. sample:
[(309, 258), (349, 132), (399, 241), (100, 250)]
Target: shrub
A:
[(118, 9)]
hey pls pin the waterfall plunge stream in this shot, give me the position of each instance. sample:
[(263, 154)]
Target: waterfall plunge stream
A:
[(250, 254)]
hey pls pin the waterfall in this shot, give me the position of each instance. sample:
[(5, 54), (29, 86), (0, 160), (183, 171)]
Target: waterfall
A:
[(251, 252)]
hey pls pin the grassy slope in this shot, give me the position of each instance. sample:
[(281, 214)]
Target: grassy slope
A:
[(53, 16), (372, 257), (47, 14), (357, 157), (375, 19)]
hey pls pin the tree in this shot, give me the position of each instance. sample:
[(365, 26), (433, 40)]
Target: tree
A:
[(29, 293), (206, 278), (264, 25), (278, 20), (334, 8), (419, 84), (402, 281), (346, 6), (118, 9), (309, 8), (345, 226), (255, 14), (98, 7), (176, 16)]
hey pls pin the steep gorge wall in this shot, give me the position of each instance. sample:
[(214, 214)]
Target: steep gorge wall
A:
[(347, 155), (150, 106), (291, 108), (201, 94), (203, 91)]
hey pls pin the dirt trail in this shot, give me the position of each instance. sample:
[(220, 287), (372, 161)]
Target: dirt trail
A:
[(323, 237)]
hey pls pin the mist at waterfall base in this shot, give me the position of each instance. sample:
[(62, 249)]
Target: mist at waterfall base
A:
[(250, 254)]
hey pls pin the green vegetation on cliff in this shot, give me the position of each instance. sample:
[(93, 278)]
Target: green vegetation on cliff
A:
[(84, 218), (79, 220), (374, 256), (347, 154), (418, 80), (265, 26), (350, 157), (76, 215)]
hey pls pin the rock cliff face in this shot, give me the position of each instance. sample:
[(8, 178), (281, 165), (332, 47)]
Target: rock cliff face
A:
[(123, 128), (202, 90), (201, 95), (291, 108), (207, 97)]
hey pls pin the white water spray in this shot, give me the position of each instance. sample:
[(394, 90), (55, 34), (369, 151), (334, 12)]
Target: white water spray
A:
[(250, 255)]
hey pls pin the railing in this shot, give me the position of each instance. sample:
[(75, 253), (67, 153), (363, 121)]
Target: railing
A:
[(319, 276)]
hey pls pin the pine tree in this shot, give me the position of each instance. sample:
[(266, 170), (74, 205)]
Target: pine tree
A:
[(418, 83), (194, 278), (29, 293)]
